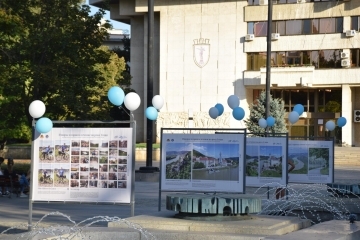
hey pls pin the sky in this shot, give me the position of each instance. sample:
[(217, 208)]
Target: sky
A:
[(116, 24), (214, 150)]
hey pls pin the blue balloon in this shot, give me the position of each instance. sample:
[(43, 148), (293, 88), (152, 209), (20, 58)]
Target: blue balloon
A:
[(213, 112), (151, 113), (299, 109), (233, 101), (270, 121), (293, 117), (341, 121), (330, 125), (262, 123), (238, 113), (220, 108), (116, 95), (43, 125)]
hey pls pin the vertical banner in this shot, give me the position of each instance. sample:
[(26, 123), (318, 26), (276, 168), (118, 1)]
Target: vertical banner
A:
[(83, 164), (265, 161), (313, 160), (202, 162)]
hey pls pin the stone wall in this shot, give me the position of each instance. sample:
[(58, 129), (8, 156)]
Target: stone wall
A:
[(17, 152)]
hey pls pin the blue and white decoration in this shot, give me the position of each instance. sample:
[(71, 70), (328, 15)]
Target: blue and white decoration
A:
[(37, 109)]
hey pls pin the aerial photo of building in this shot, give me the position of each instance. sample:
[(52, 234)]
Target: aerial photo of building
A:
[(206, 51)]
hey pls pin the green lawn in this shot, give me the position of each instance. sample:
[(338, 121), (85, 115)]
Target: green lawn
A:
[(143, 145)]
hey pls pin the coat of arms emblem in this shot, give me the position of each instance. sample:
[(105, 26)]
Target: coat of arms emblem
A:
[(201, 51)]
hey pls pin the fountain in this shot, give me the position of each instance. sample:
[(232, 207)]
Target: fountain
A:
[(305, 207)]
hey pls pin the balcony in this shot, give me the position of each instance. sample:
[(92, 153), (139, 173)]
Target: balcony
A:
[(305, 76), (282, 76)]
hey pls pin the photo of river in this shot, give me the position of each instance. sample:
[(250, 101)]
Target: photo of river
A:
[(218, 161), (228, 173)]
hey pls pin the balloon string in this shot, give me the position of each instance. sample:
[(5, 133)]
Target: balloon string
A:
[(120, 107)]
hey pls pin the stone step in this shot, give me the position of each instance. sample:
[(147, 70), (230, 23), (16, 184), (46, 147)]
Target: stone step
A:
[(257, 225), (331, 230), (347, 156)]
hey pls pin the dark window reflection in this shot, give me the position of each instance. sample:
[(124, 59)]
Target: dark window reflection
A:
[(315, 26), (339, 25), (307, 26), (298, 27), (293, 27), (319, 59), (329, 59), (355, 23), (355, 57)]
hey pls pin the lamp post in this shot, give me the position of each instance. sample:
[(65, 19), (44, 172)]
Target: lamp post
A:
[(150, 77), (268, 61), (36, 110)]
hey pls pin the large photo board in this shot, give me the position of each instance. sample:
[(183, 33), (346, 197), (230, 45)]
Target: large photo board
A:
[(202, 162), (313, 160), (83, 164), (265, 161)]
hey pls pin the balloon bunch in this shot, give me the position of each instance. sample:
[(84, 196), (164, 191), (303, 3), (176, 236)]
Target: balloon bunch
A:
[(295, 114), (37, 109), (117, 97), (152, 112), (132, 101), (216, 111), (269, 122), (233, 102), (330, 125)]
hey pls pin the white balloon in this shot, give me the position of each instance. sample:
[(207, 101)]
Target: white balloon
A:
[(132, 101), (157, 102), (37, 109), (262, 123), (330, 125)]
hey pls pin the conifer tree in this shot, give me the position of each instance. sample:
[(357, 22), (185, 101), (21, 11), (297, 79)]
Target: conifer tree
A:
[(258, 111)]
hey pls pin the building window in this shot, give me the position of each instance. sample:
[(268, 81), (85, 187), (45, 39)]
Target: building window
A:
[(327, 25), (329, 59), (260, 29), (297, 27), (355, 23), (256, 2), (293, 27), (355, 57), (319, 59), (256, 60), (293, 58), (250, 27)]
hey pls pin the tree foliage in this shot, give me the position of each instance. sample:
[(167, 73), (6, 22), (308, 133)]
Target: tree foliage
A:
[(119, 113), (258, 111), (51, 51)]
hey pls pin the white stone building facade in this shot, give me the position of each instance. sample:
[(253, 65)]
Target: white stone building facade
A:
[(202, 57)]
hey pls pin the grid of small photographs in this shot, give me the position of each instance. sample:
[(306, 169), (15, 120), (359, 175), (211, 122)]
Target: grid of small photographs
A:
[(98, 164), (54, 170), (83, 164)]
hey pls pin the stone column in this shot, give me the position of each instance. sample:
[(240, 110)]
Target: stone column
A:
[(346, 107)]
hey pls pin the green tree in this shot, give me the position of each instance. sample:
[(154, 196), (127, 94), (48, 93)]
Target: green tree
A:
[(119, 113), (331, 106), (258, 111), (51, 51)]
